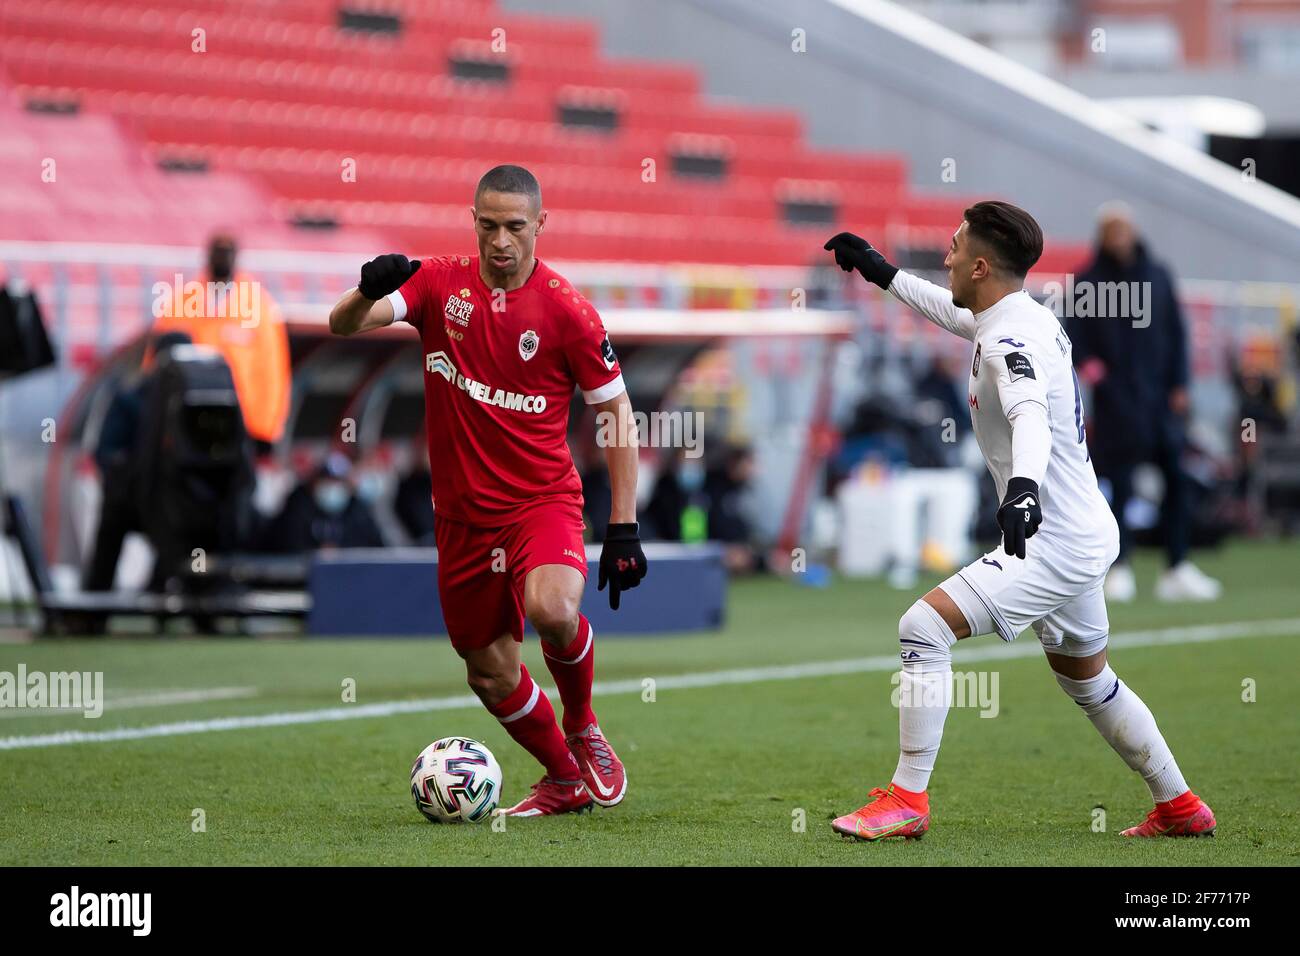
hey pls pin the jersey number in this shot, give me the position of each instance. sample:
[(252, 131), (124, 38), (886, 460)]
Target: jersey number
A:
[(1078, 407)]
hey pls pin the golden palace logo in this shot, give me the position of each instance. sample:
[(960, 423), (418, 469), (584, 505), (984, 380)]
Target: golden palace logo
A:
[(458, 310)]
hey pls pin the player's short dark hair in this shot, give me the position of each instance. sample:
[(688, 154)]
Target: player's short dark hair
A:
[(1009, 231), (510, 179)]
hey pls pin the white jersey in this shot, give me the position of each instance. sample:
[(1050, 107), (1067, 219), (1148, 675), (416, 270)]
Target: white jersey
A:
[(1021, 354)]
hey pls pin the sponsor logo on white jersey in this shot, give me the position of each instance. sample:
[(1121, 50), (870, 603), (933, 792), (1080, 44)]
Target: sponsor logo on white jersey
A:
[(439, 363)]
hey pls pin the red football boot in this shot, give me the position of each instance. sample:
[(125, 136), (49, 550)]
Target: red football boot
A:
[(602, 771), (549, 798), (1198, 821), (888, 815)]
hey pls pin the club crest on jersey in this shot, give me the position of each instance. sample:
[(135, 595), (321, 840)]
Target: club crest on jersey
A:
[(975, 365), (458, 307), (528, 345)]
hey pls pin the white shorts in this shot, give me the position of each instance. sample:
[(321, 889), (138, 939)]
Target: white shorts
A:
[(1057, 594)]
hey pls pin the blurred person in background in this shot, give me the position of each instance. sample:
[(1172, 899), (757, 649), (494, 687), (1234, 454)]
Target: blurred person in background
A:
[(116, 457), (725, 488), (939, 416), (238, 317), (679, 485), (1137, 365), (325, 512), (597, 492), (1259, 389), (413, 500)]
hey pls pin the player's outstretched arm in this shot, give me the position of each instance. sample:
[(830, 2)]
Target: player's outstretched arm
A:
[(854, 252), (932, 301), (367, 307)]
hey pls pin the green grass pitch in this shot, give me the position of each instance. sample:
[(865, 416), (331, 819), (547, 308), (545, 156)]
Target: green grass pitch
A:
[(717, 775)]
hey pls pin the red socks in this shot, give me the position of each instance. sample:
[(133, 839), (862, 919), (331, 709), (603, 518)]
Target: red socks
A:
[(528, 717), (573, 669), (527, 714)]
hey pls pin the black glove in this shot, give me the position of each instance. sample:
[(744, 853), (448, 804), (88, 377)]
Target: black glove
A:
[(1020, 515), (854, 252), (622, 562), (385, 274)]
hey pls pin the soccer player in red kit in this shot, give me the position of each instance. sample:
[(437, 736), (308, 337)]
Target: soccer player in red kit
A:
[(505, 341)]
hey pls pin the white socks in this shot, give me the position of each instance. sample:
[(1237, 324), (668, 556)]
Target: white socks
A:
[(924, 693), (1128, 726)]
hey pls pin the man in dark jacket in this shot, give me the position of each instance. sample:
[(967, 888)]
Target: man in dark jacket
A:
[(324, 513), (1130, 345), (117, 456)]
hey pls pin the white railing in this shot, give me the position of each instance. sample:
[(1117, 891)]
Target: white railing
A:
[(97, 295)]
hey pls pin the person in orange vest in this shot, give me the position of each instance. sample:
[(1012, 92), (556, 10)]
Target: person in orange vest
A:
[(232, 312)]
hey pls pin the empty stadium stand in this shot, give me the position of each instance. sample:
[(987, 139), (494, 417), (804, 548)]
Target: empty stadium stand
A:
[(319, 123)]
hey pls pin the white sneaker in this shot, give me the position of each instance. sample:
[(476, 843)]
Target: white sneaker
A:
[(1121, 586), (1186, 582)]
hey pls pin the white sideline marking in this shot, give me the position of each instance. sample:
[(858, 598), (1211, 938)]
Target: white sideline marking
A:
[(752, 675), (159, 698), (194, 696)]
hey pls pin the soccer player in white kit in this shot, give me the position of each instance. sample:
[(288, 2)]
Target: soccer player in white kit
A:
[(1028, 420)]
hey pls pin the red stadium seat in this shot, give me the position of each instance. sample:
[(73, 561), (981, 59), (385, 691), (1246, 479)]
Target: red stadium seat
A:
[(282, 96)]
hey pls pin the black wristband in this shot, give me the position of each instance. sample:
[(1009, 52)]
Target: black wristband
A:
[(884, 273), (1017, 485), (622, 531)]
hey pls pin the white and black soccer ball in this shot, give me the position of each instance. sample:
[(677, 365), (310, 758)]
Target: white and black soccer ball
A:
[(456, 780)]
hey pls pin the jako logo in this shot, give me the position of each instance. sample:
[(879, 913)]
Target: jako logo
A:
[(103, 909)]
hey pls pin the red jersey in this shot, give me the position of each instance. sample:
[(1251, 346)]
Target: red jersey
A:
[(498, 383)]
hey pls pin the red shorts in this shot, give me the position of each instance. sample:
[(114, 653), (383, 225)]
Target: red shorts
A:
[(481, 571)]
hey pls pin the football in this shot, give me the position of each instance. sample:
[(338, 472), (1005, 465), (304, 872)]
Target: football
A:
[(456, 780)]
